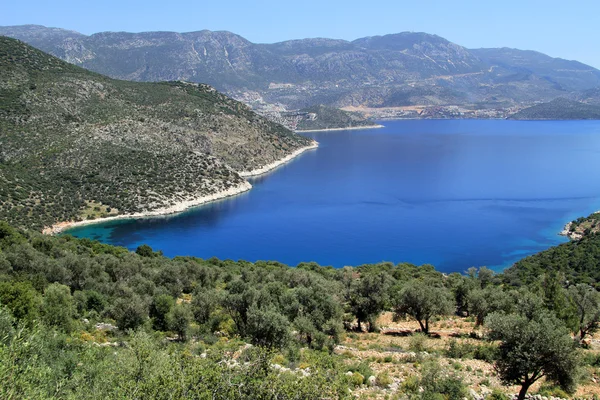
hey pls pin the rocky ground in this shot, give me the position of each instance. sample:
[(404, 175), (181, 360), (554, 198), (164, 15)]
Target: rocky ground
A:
[(399, 355)]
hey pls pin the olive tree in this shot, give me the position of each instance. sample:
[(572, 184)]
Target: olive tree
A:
[(267, 327), (482, 302), (159, 309), (178, 320), (587, 302), (423, 300), (130, 313), (367, 297), (533, 348)]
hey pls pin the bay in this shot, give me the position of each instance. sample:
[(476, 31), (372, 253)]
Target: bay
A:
[(452, 193)]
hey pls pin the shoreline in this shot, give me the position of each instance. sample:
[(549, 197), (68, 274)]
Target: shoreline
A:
[(275, 164), (174, 209), (573, 235), (342, 129), (567, 231), (183, 205)]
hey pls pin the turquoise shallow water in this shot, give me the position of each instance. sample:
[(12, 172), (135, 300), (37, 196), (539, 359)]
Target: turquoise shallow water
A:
[(453, 193)]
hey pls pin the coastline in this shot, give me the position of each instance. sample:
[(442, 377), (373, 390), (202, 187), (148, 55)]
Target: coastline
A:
[(567, 232), (174, 209), (342, 129), (275, 164), (579, 232), (187, 204)]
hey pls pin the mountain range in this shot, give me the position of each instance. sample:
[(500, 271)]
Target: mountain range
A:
[(395, 70)]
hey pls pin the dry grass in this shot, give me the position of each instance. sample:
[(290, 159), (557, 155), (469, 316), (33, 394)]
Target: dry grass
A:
[(390, 351)]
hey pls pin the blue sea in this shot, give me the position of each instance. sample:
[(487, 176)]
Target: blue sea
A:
[(452, 193)]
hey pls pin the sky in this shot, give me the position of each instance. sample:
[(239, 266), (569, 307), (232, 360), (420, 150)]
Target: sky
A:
[(566, 29)]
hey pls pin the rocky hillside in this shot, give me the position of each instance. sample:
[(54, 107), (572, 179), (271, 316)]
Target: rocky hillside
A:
[(392, 70), (565, 75), (75, 144), (322, 117), (590, 96), (559, 109), (583, 226)]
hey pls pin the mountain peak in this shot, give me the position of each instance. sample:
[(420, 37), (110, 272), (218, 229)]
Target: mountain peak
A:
[(399, 41)]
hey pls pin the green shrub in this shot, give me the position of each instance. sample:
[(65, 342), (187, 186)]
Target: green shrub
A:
[(486, 352), (357, 379), (457, 366), (418, 342), (383, 380), (497, 394), (410, 385), (549, 390), (592, 359), (459, 350), (362, 368), (435, 381)]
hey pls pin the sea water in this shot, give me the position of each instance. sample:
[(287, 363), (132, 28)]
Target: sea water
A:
[(452, 193)]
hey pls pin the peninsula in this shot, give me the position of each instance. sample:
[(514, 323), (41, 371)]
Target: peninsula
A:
[(77, 146)]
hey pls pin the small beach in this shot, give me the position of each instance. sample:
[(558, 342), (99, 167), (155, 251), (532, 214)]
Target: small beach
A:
[(275, 164)]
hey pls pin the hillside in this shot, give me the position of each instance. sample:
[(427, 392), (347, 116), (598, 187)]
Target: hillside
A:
[(565, 75), (83, 320), (583, 226), (577, 261), (589, 96), (322, 117), (559, 109), (382, 71), (75, 144)]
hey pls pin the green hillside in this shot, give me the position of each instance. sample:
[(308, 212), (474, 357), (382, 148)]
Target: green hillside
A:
[(75, 144), (577, 261), (559, 109), (323, 117), (84, 320)]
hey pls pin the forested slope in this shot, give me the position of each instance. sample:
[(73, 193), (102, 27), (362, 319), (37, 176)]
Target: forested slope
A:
[(79, 319)]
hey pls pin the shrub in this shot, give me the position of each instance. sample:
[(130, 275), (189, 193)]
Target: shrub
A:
[(497, 394), (357, 379), (486, 352), (383, 380), (21, 299), (410, 385), (459, 350), (362, 368), (279, 359), (418, 342), (548, 390), (435, 382), (591, 359), (57, 307)]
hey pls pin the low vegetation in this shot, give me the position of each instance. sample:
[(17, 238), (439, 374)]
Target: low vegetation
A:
[(80, 319), (583, 226), (559, 109), (323, 117)]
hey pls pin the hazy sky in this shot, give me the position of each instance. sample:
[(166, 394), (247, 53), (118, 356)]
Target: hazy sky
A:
[(567, 29)]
